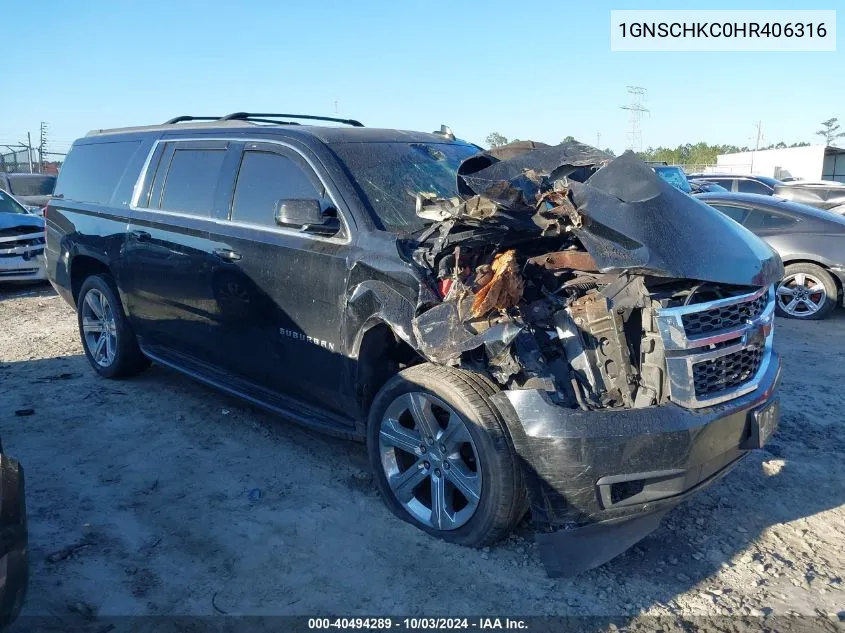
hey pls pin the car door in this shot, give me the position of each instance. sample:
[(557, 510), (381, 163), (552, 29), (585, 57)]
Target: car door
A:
[(168, 257), (280, 294)]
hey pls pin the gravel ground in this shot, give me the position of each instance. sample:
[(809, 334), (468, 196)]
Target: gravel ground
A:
[(158, 496)]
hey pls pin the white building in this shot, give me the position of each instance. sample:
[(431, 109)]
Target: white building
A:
[(815, 162)]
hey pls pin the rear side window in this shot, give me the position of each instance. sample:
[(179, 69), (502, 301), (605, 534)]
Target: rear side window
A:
[(265, 178), (91, 172), (761, 220), (753, 186), (191, 181)]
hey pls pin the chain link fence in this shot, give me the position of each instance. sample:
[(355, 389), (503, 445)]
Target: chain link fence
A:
[(29, 161)]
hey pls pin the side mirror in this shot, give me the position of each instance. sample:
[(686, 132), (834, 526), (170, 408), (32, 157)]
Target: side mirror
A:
[(305, 215)]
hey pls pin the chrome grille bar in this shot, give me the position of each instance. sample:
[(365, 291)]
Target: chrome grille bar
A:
[(683, 351)]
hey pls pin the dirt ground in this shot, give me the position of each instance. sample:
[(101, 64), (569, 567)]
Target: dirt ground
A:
[(157, 495)]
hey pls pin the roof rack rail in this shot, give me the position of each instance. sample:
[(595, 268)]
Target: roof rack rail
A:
[(247, 116), (260, 117), (186, 117)]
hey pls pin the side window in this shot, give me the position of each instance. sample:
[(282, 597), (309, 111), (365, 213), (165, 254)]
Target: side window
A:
[(265, 178), (753, 186), (91, 172), (727, 183), (737, 214), (762, 220), (191, 181)]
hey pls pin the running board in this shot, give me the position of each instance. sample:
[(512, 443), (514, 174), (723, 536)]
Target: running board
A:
[(283, 406)]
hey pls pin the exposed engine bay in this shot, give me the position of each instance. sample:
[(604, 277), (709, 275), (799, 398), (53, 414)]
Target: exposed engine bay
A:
[(553, 267)]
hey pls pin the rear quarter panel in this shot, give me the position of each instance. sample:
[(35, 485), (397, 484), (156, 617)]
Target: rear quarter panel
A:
[(83, 229)]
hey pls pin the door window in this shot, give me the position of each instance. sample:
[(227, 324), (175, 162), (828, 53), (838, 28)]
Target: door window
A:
[(737, 214), (763, 220), (191, 181), (753, 186), (265, 178), (727, 183)]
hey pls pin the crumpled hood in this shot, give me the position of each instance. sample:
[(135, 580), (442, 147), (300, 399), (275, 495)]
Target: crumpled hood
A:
[(635, 220), (819, 196), (631, 219), (13, 220)]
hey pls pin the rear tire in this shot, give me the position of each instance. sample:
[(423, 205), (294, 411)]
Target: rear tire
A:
[(796, 298), (468, 451), (107, 337)]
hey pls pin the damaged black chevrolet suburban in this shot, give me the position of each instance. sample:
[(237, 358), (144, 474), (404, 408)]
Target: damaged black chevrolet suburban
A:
[(532, 327)]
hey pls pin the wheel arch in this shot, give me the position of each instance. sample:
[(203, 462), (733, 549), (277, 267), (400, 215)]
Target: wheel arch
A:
[(379, 353), (82, 267)]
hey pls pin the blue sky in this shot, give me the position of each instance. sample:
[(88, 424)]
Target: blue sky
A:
[(538, 70)]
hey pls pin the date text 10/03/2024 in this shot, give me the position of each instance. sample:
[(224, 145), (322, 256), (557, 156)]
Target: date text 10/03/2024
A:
[(412, 624)]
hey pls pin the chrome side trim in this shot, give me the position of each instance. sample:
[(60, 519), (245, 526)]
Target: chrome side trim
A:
[(683, 352), (141, 182)]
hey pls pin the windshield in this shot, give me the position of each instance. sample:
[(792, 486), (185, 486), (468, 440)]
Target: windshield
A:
[(675, 176), (390, 175), (9, 204), (32, 185)]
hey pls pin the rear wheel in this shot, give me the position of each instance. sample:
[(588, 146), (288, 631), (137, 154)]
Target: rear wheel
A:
[(807, 291), (107, 338), (442, 456)]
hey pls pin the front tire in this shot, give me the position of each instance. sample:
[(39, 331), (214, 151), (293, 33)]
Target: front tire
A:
[(442, 456), (107, 337), (807, 292)]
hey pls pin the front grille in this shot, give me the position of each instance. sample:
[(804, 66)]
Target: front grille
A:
[(726, 372), (18, 230), (30, 241), (725, 317), (717, 350)]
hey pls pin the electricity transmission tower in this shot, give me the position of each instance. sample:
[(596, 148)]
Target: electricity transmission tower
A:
[(42, 146), (636, 110)]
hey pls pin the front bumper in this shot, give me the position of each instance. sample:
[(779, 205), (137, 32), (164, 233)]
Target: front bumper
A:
[(28, 266), (599, 481), (14, 561)]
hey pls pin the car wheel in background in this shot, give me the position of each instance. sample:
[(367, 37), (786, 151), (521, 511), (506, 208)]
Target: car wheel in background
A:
[(107, 338), (807, 291), (442, 456)]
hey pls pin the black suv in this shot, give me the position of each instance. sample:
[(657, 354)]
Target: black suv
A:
[(530, 327)]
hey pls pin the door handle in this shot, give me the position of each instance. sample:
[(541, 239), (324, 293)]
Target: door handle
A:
[(141, 236), (227, 255)]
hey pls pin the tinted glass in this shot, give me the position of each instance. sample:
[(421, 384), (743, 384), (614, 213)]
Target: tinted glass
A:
[(192, 180), (264, 179), (91, 172), (8, 205), (727, 183), (32, 185), (762, 220), (737, 214), (752, 186), (390, 175)]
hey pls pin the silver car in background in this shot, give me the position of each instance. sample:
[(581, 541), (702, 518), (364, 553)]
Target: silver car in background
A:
[(21, 242)]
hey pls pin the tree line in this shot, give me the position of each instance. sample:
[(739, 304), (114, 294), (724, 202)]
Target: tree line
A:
[(696, 153)]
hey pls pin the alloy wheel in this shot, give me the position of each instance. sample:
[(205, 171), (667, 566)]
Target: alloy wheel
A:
[(801, 295), (430, 460), (99, 327)]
